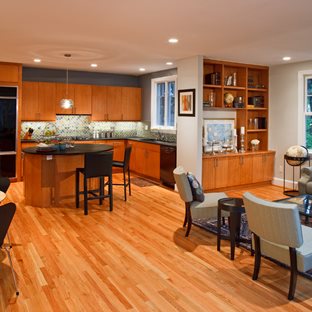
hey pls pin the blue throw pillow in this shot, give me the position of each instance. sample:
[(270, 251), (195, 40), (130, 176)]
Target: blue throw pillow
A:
[(196, 188)]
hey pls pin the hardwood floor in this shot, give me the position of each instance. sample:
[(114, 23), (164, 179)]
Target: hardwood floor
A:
[(135, 258)]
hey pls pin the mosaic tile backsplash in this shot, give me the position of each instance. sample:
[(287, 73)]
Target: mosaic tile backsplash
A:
[(82, 126)]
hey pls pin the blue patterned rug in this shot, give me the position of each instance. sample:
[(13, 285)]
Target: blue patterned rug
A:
[(211, 226)]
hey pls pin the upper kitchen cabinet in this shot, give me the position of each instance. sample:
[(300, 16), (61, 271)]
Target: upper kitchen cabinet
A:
[(81, 94), (99, 101), (131, 103), (113, 103), (116, 103), (38, 101), (106, 103), (10, 72), (64, 91)]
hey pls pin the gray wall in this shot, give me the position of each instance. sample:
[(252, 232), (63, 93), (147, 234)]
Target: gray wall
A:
[(81, 77), (145, 84), (284, 112)]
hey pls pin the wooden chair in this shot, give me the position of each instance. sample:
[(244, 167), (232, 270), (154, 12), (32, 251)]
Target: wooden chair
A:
[(96, 165), (7, 212), (125, 169), (278, 234), (194, 209)]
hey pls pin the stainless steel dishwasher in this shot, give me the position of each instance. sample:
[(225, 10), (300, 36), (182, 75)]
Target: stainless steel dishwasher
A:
[(167, 164)]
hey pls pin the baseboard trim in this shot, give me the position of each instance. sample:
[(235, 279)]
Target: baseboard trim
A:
[(288, 183)]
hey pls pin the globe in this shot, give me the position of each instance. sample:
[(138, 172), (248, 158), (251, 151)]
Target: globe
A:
[(296, 155)]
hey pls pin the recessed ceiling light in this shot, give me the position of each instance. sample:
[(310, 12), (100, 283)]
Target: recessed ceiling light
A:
[(169, 63), (37, 60), (173, 40), (286, 58), (142, 69), (94, 65)]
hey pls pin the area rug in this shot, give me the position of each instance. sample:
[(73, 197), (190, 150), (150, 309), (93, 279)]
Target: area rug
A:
[(142, 182), (211, 226)]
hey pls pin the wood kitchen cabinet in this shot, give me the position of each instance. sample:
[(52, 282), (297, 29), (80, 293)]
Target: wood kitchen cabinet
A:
[(263, 166), (231, 170), (106, 103), (145, 159), (10, 72), (119, 148), (131, 103), (24, 145), (116, 103), (113, 103), (80, 94), (38, 101)]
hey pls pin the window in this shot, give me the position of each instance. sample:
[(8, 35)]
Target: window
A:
[(163, 103), (308, 110)]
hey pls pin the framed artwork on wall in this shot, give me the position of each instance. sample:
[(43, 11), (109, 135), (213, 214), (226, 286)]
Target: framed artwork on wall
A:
[(186, 104), (218, 129)]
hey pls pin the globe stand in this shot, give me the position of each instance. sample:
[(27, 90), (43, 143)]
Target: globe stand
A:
[(294, 162)]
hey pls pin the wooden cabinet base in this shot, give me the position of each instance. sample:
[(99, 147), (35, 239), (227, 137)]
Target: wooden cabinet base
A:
[(51, 182), (221, 172)]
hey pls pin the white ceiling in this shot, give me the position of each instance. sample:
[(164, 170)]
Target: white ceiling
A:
[(121, 36)]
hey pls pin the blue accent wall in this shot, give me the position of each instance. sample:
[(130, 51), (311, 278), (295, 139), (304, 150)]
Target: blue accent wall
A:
[(79, 77)]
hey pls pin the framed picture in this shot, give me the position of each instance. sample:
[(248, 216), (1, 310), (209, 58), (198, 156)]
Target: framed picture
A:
[(220, 130), (186, 105)]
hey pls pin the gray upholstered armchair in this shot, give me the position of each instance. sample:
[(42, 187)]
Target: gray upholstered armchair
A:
[(278, 234), (305, 182), (195, 209)]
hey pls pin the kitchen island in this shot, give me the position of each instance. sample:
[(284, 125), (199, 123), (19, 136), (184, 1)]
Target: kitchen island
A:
[(49, 176)]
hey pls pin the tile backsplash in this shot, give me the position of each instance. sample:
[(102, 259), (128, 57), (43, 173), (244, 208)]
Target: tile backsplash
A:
[(82, 126)]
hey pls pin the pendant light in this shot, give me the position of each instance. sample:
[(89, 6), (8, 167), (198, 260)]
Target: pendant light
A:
[(67, 103)]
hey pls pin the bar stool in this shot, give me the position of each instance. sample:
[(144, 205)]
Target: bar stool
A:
[(95, 165), (125, 168)]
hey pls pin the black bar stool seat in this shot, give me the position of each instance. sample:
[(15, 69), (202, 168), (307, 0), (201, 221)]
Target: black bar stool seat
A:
[(96, 165), (124, 165)]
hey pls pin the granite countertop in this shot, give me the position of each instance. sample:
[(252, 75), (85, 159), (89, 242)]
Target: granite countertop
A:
[(76, 149), (84, 138)]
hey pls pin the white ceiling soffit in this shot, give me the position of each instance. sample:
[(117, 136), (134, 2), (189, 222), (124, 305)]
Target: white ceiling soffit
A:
[(122, 36)]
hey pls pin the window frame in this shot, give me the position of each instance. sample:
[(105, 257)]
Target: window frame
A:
[(154, 82)]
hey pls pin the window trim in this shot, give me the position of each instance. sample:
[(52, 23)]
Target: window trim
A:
[(168, 129), (302, 76)]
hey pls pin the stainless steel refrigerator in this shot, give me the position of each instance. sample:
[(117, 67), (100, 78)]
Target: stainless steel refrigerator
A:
[(8, 130)]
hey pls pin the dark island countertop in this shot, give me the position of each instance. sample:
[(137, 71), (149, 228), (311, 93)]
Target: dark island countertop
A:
[(138, 139), (77, 149)]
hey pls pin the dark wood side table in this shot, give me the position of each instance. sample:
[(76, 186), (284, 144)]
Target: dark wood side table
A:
[(235, 206)]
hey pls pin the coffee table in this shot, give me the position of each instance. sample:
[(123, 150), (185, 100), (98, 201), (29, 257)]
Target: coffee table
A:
[(304, 203)]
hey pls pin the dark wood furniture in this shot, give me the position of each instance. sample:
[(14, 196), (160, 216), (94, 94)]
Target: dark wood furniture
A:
[(235, 206), (96, 165), (125, 165)]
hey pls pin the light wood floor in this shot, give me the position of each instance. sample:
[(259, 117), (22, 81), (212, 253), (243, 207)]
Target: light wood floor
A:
[(135, 258)]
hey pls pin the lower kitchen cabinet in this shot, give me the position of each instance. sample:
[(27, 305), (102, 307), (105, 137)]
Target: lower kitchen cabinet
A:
[(230, 170), (119, 148), (145, 159)]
